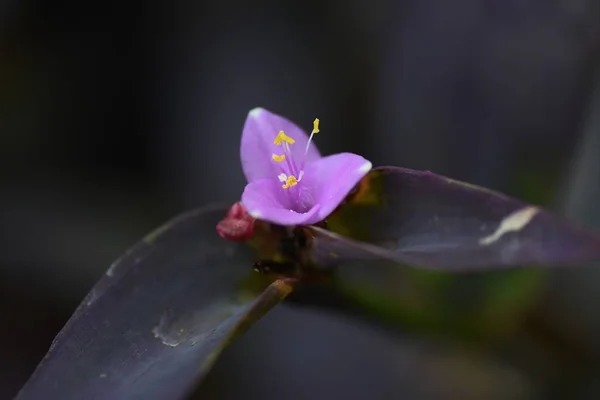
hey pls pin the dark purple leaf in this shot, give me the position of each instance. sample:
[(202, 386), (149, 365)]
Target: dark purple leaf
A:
[(426, 220), (153, 326)]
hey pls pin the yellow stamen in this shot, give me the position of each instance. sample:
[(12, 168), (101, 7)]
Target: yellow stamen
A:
[(316, 126), (282, 137), (278, 158), (290, 181)]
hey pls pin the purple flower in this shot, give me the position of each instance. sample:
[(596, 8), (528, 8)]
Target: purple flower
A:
[(289, 183)]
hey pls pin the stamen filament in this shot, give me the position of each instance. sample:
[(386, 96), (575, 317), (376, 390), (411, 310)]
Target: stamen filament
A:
[(288, 159), (285, 141), (315, 130)]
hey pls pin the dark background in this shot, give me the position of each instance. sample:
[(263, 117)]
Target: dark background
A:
[(115, 116)]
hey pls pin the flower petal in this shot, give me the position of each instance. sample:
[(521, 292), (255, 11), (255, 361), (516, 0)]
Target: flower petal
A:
[(266, 200), (331, 178), (260, 130)]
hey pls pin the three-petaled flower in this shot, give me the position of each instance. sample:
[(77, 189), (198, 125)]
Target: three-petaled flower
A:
[(289, 183)]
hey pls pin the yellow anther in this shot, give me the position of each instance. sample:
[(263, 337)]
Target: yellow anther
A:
[(316, 126), (278, 158), (282, 137), (290, 181)]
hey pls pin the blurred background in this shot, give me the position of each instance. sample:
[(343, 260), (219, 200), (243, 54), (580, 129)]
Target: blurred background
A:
[(115, 116)]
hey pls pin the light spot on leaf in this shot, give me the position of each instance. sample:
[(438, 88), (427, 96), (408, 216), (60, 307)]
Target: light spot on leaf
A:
[(514, 222), (152, 236), (92, 297), (173, 330), (111, 270)]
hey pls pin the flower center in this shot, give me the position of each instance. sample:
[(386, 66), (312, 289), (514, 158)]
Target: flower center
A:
[(291, 176)]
